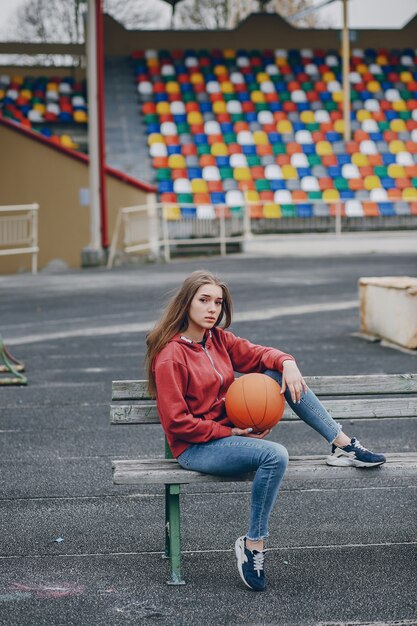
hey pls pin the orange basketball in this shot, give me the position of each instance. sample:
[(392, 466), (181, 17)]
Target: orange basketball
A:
[(254, 401)]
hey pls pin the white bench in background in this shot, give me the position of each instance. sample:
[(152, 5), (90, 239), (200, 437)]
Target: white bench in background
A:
[(19, 231)]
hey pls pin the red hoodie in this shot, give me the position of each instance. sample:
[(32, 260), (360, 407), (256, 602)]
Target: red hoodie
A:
[(192, 382)]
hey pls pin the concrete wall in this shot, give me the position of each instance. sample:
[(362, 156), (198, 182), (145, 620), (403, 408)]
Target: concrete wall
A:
[(257, 31), (31, 170), (77, 73)]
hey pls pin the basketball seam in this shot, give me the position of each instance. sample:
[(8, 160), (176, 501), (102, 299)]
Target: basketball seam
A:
[(247, 408), (266, 402)]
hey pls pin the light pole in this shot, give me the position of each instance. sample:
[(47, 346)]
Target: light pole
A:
[(345, 60), (94, 254), (346, 72)]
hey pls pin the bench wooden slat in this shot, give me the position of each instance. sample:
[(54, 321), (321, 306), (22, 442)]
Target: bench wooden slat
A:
[(168, 471), (146, 412), (380, 384)]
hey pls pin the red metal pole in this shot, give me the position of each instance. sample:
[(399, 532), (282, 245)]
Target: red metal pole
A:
[(101, 124)]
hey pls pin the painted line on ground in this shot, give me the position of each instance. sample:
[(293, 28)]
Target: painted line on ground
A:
[(347, 546), (248, 316), (144, 496)]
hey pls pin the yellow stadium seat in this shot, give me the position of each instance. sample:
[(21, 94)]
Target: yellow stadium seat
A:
[(18, 80), (176, 161), (307, 117), (272, 210), (198, 185), (25, 93), (152, 62), (406, 77), (242, 173), (331, 194), (155, 138), (260, 138), (172, 212), (229, 53), (41, 108), (52, 87), (381, 59), (395, 146), (80, 117), (163, 108), (257, 97), (361, 68), (362, 115), (67, 142), (219, 149), (410, 193), (328, 76), (172, 87), (324, 148), (399, 105), (196, 78), (339, 126), (284, 126), (359, 159), (371, 182), (227, 87), (280, 61), (337, 96), (251, 196), (195, 117), (219, 107), (2, 94), (373, 86), (220, 69), (288, 171), (396, 171), (398, 126), (261, 77)]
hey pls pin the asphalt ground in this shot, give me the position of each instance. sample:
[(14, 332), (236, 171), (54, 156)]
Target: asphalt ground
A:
[(74, 549)]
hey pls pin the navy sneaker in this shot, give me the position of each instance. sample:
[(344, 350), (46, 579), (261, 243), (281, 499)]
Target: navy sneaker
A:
[(354, 454), (250, 565)]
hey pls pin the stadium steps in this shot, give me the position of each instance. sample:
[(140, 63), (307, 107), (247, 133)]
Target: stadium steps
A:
[(126, 146)]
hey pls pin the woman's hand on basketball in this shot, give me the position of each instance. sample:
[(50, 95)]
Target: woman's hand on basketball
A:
[(292, 378), (248, 432)]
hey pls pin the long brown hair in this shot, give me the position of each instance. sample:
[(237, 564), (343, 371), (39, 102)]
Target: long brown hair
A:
[(175, 317)]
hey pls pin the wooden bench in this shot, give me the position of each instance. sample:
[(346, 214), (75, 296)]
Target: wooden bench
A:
[(346, 397)]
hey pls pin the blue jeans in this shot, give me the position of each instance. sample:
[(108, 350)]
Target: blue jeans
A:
[(231, 456)]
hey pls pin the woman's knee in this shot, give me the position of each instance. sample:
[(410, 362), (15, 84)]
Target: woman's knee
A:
[(278, 454), (275, 374)]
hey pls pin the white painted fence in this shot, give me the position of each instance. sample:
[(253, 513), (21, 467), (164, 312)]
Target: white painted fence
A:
[(19, 231), (147, 227)]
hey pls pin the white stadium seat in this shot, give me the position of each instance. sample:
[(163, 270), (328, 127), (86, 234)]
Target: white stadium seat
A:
[(353, 208), (182, 185), (211, 172), (234, 198), (273, 172), (349, 170), (238, 160)]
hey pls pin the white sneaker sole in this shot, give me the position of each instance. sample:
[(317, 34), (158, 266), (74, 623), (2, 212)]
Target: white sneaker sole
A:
[(344, 461), (240, 551)]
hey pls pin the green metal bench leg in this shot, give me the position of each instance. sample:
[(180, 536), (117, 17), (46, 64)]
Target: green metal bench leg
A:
[(10, 365), (172, 533), (167, 546)]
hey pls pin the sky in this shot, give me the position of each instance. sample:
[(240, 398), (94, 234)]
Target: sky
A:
[(362, 13)]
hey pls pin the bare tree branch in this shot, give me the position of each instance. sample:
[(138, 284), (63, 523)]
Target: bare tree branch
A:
[(62, 20)]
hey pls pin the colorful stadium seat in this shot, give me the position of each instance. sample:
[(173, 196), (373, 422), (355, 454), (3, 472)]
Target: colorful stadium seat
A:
[(40, 102), (269, 124)]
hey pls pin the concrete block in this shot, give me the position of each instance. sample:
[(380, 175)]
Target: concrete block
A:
[(388, 308)]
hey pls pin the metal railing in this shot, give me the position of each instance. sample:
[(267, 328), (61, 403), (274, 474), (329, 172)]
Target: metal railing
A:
[(19, 231), (150, 227)]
